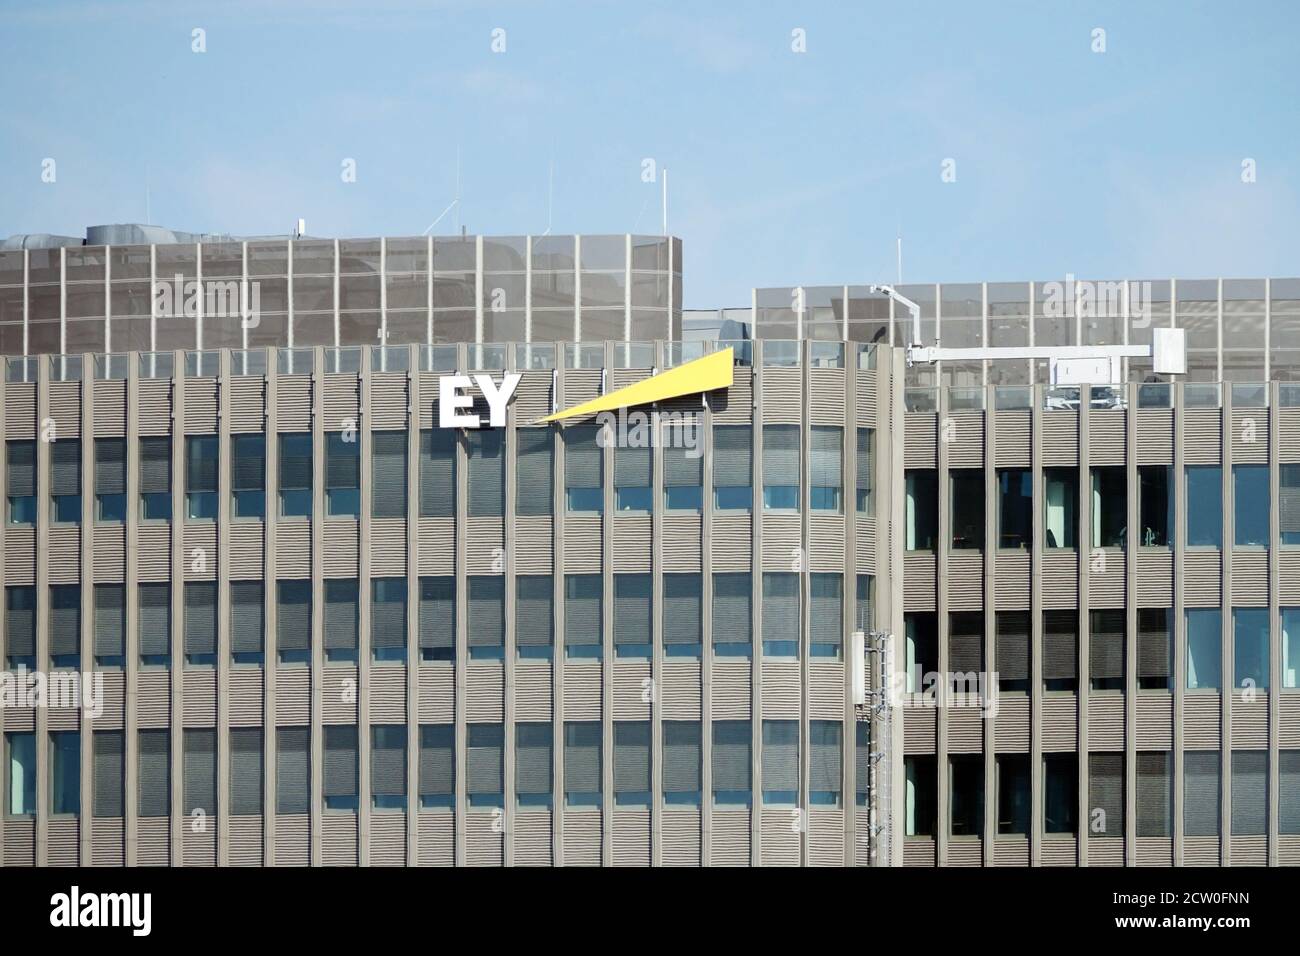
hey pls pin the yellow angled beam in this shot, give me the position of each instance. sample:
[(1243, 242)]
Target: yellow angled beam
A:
[(701, 375)]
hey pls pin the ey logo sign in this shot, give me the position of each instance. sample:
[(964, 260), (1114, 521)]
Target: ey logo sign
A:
[(705, 374)]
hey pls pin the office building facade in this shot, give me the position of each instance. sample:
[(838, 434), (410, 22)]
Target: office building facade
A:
[(329, 631)]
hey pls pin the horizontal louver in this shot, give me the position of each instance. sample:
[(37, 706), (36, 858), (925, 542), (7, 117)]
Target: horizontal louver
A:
[(21, 459), (825, 756), (1154, 657), (732, 745), (826, 449), (1060, 645), (536, 465), (1201, 793), (486, 620), (154, 774), (199, 771), (340, 770), (65, 620), (437, 472), (388, 612), (388, 477), (534, 610), (485, 450), (65, 467), (342, 460), (582, 757), (109, 774), (582, 593), (248, 462), (201, 463), (827, 610), (632, 756), (582, 457), (155, 619), (437, 612), (733, 456), (246, 617), (110, 620), (388, 761), (781, 755), (682, 764), (1249, 792), (295, 462), (1154, 794), (1106, 794), (682, 598), (1013, 645), (863, 452), (780, 606), (733, 602), (533, 745), (966, 642), (683, 456), (246, 771), (293, 616), (292, 770), (341, 614), (483, 759), (155, 466), (437, 760), (1106, 656), (780, 454), (110, 466), (631, 467)]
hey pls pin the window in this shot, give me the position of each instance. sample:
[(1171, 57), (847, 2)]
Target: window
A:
[(1012, 651), (65, 626), (1201, 803), (1288, 808), (1015, 508), (1250, 647), (388, 767), (248, 476), (733, 468), (65, 773), (682, 612), (780, 614), (632, 478), (1060, 507), (1250, 495), (437, 473), (247, 623), (535, 490), (826, 620), (921, 639), (1109, 507), (342, 620), (534, 616), (862, 762), (1155, 794), (1155, 649), (485, 775), (1290, 647), (1060, 793), (732, 768), (1013, 793), (110, 480), (1105, 796), (110, 625), (485, 455), (1155, 506), (780, 763), (295, 475), (582, 615), (20, 627), (487, 617), (201, 478), (200, 624), (922, 491), (388, 474), (780, 467), (1106, 649), (583, 469), (155, 624), (109, 774), (293, 622), (966, 794), (862, 619), (827, 467), (154, 773), (965, 650), (1204, 506), (22, 773), (533, 746), (199, 772), (632, 763), (156, 479), (1061, 651), (292, 770), (20, 482), (733, 622), (920, 791), (1289, 503), (582, 763), (1204, 648), (682, 763), (967, 508), (340, 770), (866, 438), (342, 475), (825, 762), (683, 464), (246, 771), (1249, 792), (437, 766), (65, 480), (388, 619), (438, 619)]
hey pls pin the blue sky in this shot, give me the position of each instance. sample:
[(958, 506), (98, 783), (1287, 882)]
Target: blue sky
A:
[(785, 168)]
